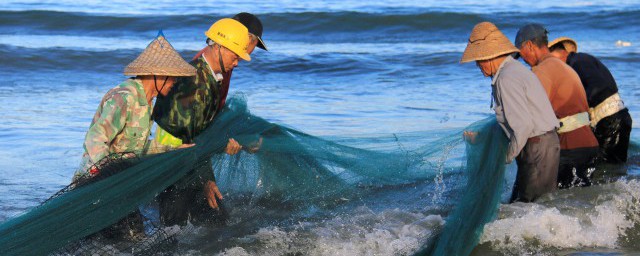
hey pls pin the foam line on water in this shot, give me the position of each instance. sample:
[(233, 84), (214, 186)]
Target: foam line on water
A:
[(606, 214), (390, 232)]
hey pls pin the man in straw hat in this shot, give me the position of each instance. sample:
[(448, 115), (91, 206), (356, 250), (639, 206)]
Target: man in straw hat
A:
[(192, 106), (579, 146), (122, 122), (610, 119), (522, 110)]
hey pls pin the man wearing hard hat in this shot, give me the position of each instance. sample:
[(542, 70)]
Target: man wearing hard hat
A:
[(180, 120)]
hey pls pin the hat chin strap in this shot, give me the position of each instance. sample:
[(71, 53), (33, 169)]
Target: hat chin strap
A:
[(155, 84), (220, 60)]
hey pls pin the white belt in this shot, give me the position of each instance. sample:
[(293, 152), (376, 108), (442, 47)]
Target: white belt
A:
[(570, 123), (608, 107)]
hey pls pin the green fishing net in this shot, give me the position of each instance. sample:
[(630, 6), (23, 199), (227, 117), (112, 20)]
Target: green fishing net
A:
[(291, 167)]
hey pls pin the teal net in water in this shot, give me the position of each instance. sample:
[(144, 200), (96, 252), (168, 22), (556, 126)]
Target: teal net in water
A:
[(291, 167), (485, 172)]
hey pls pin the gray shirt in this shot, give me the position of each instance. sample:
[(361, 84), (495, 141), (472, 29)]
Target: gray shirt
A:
[(522, 106)]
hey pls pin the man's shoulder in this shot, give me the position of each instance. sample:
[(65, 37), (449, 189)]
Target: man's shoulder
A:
[(513, 65), (515, 71), (551, 66), (580, 59), (581, 56), (183, 86), (551, 62), (121, 94)]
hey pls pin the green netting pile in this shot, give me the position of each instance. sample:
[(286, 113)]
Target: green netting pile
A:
[(290, 167)]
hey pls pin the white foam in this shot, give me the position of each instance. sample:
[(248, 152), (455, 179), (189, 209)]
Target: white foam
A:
[(600, 222), (390, 232)]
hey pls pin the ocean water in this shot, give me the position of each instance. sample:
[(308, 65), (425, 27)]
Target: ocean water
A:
[(333, 69)]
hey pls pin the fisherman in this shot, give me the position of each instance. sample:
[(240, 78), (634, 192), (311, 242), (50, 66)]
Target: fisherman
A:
[(123, 122), (121, 126), (254, 25), (522, 110), (227, 41), (610, 119), (579, 146)]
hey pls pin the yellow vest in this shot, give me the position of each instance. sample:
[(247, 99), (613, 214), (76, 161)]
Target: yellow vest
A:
[(164, 138)]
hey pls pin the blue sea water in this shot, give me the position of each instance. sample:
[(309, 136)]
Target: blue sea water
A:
[(334, 68)]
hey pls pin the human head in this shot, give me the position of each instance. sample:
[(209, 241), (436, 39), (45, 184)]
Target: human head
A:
[(562, 46), (565, 43), (227, 59), (532, 41), (160, 62), (254, 26), (486, 44), (230, 34)]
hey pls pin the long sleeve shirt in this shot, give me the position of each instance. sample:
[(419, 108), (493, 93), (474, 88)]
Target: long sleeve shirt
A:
[(121, 124), (521, 105), (567, 96), (191, 104)]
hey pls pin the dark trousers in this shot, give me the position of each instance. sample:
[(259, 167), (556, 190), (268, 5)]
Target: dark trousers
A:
[(186, 201), (537, 167), (613, 134), (576, 167)]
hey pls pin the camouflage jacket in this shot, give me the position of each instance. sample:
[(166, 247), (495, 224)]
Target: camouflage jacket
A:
[(121, 124), (191, 104)]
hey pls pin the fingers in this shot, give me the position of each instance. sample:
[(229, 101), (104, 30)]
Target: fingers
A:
[(212, 203), (257, 147), (217, 193), (211, 192), (233, 147), (470, 136), (187, 145)]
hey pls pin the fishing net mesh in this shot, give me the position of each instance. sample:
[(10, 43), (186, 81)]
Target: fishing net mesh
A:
[(103, 216)]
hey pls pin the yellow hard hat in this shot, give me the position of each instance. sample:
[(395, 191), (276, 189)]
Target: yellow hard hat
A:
[(231, 34)]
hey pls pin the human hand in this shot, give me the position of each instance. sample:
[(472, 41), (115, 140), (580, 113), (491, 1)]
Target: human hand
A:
[(255, 147), (470, 136), (233, 147), (187, 145), (211, 192)]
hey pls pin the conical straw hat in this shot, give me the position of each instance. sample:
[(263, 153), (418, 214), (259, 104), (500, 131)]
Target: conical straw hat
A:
[(569, 44), (159, 59), (486, 42)]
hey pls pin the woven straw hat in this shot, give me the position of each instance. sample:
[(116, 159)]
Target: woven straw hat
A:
[(486, 42), (569, 44), (159, 59)]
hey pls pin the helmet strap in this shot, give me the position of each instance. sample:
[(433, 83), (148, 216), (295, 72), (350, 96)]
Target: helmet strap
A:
[(220, 60)]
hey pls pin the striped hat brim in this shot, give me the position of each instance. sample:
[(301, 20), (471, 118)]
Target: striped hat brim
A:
[(569, 44), (486, 42), (160, 59)]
